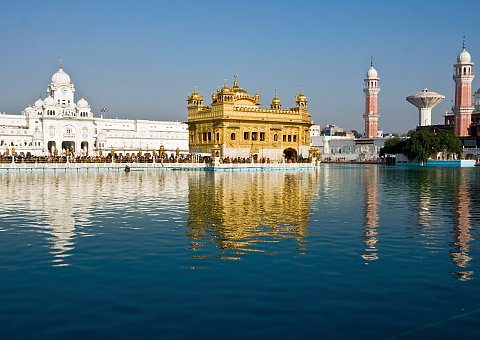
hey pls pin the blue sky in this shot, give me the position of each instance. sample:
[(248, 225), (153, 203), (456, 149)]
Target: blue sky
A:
[(141, 59)]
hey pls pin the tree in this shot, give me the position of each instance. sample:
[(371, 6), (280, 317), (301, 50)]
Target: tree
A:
[(422, 144), (393, 145), (356, 133), (448, 142)]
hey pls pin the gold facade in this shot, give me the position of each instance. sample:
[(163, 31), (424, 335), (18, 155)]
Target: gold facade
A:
[(235, 123)]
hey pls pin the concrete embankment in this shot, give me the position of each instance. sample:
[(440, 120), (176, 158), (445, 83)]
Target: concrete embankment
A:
[(154, 166)]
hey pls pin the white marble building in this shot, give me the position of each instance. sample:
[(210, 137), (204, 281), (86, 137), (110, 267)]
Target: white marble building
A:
[(58, 122)]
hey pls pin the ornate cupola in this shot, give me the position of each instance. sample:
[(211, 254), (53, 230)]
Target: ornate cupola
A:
[(301, 100), (214, 97), (195, 99), (276, 105), (226, 94)]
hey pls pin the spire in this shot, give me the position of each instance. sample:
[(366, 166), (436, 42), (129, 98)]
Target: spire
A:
[(371, 61), (61, 64), (463, 42)]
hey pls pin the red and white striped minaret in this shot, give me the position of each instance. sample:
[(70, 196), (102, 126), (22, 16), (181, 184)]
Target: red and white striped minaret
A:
[(463, 108), (371, 90)]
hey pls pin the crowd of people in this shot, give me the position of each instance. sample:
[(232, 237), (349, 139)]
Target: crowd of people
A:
[(139, 158)]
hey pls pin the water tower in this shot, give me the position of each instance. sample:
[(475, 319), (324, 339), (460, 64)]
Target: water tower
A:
[(425, 100)]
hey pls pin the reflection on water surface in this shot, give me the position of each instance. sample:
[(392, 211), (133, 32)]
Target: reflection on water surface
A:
[(276, 253), (227, 215), (241, 211)]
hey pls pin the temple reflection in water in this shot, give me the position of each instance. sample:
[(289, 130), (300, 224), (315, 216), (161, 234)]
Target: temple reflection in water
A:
[(229, 214), (248, 211)]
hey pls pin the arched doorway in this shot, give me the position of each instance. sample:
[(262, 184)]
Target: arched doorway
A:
[(68, 145), (84, 147), (51, 146), (290, 154)]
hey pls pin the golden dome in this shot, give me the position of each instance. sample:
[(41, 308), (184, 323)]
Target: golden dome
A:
[(275, 102), (195, 96), (225, 89), (301, 97)]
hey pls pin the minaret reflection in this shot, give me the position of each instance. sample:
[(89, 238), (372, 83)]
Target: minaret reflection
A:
[(371, 214), (239, 212), (461, 231)]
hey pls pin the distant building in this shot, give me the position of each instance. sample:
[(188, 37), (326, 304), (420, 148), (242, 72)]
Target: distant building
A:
[(236, 125), (331, 130), (57, 123), (315, 130)]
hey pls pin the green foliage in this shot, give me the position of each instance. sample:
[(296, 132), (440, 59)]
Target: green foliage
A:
[(356, 133), (393, 146), (448, 142), (422, 144)]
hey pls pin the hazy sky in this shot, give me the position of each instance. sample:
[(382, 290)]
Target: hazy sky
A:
[(141, 59)]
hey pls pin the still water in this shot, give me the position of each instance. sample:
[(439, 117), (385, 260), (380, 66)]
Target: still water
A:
[(342, 252)]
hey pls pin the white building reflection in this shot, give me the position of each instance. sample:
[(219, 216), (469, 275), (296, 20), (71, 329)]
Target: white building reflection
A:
[(64, 206)]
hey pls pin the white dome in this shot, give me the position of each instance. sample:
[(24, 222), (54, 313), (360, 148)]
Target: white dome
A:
[(49, 101), (372, 73), (82, 103), (60, 77), (464, 57), (37, 135), (38, 103), (477, 93)]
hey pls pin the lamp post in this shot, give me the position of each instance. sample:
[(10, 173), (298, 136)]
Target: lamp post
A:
[(104, 110)]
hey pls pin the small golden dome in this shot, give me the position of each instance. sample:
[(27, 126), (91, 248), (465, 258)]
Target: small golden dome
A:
[(195, 96), (301, 97), (275, 102), (225, 89)]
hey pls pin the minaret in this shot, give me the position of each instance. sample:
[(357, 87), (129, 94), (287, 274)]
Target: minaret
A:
[(371, 90), (463, 108)]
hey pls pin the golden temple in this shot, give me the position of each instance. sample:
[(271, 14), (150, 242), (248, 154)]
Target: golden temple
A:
[(236, 125)]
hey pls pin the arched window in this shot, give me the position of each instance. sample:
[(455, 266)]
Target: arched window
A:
[(232, 136), (218, 136), (275, 138), (464, 70)]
